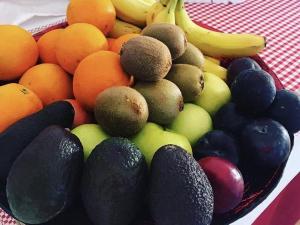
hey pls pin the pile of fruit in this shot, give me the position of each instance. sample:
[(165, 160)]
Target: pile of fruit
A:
[(154, 120)]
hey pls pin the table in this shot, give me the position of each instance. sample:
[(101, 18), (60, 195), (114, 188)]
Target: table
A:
[(279, 21)]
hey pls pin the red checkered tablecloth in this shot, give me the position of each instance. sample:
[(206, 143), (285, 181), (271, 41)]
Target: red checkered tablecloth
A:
[(278, 20)]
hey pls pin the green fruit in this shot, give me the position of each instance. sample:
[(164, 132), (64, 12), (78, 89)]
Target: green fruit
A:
[(121, 111), (90, 135), (188, 78), (180, 192), (153, 136), (146, 58), (215, 94), (45, 178), (171, 35), (192, 56), (114, 182), (164, 100), (193, 122)]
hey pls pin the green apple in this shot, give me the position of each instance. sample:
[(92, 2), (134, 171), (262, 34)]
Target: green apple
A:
[(215, 94), (90, 135), (153, 136), (193, 122)]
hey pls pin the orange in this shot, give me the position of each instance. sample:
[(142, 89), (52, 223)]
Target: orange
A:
[(76, 42), (81, 116), (18, 52), (94, 74), (49, 81), (47, 45), (110, 42), (100, 13), (118, 43), (16, 102)]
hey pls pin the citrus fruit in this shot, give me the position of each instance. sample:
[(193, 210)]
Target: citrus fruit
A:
[(49, 81), (16, 102), (76, 42), (94, 74), (100, 13), (47, 44), (118, 43), (18, 52)]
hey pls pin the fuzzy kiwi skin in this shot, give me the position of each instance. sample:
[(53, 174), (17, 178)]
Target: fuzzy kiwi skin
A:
[(188, 78), (146, 58), (171, 35), (121, 111), (191, 56), (164, 100)]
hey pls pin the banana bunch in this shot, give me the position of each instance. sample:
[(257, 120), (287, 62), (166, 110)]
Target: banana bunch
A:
[(120, 28), (133, 11), (217, 44), (162, 11), (212, 65)]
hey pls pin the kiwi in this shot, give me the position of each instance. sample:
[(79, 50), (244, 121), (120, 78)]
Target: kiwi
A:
[(171, 35), (146, 58), (121, 111), (191, 56), (164, 100), (188, 78)]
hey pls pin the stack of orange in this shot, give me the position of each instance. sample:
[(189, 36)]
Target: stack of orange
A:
[(76, 63)]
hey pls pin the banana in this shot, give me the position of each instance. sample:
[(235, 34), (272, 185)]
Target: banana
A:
[(120, 28), (162, 13), (217, 44), (212, 67), (214, 60), (153, 11), (133, 11)]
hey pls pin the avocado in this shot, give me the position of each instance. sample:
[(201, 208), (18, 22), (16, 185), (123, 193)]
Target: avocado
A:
[(20, 134), (180, 192), (45, 178), (114, 182)]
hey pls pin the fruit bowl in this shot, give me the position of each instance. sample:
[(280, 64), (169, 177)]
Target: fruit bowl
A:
[(256, 188)]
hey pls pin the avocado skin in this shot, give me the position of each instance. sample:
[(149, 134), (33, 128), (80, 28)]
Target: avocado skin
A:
[(114, 182), (45, 178), (20, 134), (180, 193)]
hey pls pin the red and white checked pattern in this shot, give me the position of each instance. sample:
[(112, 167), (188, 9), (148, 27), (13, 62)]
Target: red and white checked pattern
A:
[(6, 219), (278, 20)]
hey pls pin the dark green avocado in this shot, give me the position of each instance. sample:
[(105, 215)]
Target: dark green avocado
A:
[(45, 178), (114, 182), (180, 193), (20, 134)]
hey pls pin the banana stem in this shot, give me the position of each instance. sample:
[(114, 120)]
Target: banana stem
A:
[(164, 2), (180, 5), (172, 6)]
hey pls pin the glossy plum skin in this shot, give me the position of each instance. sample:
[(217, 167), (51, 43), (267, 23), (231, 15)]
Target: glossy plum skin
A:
[(265, 143), (286, 110), (230, 119), (253, 91), (227, 183), (217, 143), (239, 65)]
